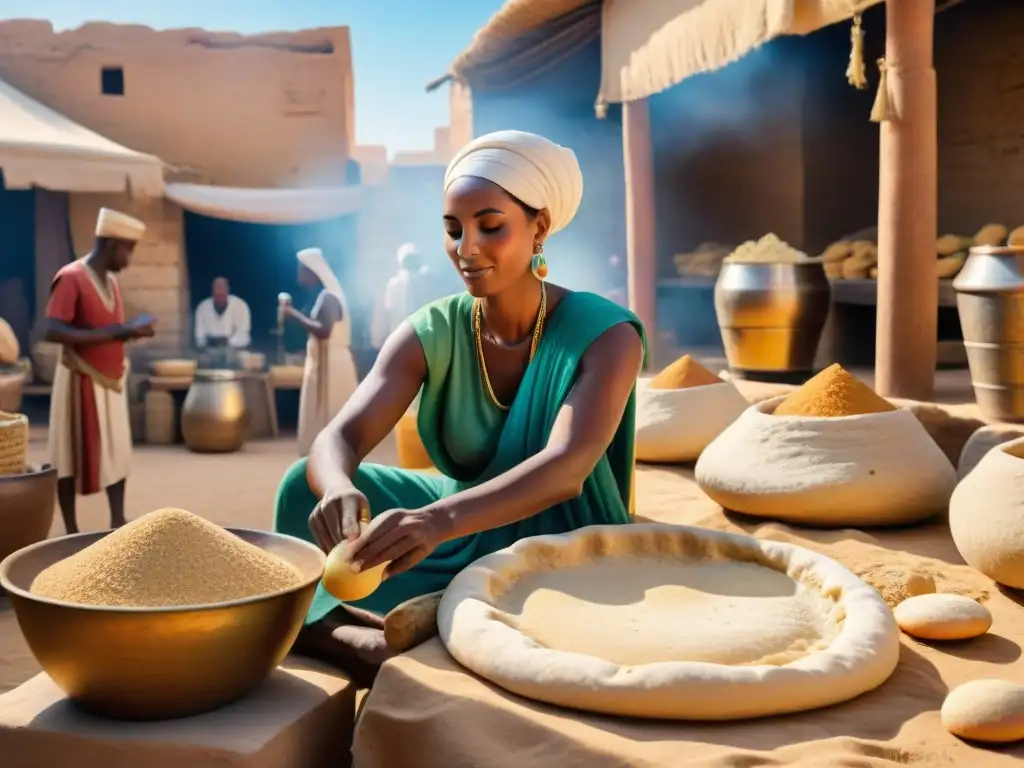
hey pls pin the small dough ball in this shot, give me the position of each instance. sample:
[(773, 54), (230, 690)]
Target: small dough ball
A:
[(919, 583), (985, 710), (344, 585), (942, 617)]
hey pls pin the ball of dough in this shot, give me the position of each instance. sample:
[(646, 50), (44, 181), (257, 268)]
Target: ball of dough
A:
[(344, 585), (985, 710), (919, 583), (942, 617)]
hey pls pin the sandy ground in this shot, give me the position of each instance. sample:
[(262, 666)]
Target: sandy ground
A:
[(423, 694), (231, 490)]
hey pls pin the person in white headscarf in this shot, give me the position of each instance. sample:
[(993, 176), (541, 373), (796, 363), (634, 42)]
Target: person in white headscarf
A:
[(402, 294), (526, 406), (330, 375)]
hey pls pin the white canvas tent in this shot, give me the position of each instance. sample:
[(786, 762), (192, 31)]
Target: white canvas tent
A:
[(40, 147), (266, 206)]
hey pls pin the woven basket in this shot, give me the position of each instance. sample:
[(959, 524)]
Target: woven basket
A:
[(13, 443)]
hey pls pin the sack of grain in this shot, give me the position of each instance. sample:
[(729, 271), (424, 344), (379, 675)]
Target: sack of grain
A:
[(681, 410), (831, 454), (984, 515)]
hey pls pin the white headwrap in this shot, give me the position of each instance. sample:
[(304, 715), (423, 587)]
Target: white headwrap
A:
[(529, 167), (405, 250), (313, 259)]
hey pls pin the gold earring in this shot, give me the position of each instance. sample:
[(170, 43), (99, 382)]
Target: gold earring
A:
[(539, 264)]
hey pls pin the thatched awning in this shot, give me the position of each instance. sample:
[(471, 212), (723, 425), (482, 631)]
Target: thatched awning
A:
[(647, 45)]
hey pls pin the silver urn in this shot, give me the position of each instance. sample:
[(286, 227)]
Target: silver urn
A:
[(990, 299), (771, 317)]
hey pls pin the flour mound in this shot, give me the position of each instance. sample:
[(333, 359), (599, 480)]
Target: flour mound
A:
[(673, 426), (872, 469), (166, 558)]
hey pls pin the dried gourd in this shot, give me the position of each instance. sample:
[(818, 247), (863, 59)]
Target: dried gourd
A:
[(991, 234), (947, 245), (837, 252), (949, 266), (1016, 237), (834, 270)]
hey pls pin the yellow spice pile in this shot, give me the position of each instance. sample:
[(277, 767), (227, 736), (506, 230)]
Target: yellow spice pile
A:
[(684, 373), (833, 392), (166, 558)]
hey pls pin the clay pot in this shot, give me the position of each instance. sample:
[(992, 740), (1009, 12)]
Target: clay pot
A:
[(26, 507), (45, 356)]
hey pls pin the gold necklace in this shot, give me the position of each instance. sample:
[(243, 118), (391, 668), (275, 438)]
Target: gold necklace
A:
[(478, 322)]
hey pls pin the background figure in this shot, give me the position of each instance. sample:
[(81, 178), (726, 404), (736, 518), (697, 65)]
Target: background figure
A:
[(90, 432), (330, 377), (222, 319), (404, 292)]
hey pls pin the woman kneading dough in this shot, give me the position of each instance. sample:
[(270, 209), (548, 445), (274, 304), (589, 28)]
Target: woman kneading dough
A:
[(527, 407)]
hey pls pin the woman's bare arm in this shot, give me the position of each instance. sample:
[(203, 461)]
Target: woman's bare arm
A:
[(370, 414), (582, 433)]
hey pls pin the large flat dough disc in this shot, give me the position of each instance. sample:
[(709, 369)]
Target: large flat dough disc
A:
[(665, 621)]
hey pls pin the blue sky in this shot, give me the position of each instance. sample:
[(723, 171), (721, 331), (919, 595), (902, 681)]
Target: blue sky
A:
[(398, 45)]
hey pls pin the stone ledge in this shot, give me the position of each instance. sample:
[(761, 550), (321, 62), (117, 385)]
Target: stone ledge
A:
[(302, 717)]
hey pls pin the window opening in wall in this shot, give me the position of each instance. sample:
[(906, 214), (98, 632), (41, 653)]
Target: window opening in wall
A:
[(112, 81)]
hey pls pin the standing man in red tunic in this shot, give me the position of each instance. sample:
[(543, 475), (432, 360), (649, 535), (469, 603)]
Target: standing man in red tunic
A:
[(90, 431)]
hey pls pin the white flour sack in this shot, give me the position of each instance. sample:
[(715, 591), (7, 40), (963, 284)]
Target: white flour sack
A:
[(985, 515), (844, 471), (675, 425)]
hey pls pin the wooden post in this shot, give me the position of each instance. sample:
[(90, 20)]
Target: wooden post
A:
[(641, 257), (908, 288)]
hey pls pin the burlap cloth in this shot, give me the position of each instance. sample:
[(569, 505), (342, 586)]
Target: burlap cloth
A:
[(426, 711)]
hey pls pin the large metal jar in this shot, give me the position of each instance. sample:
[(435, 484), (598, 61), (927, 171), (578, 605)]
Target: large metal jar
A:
[(990, 298), (213, 418), (771, 317)]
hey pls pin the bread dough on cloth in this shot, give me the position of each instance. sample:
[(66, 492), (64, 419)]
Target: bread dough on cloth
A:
[(985, 710), (667, 621), (942, 617), (675, 425), (843, 471), (985, 515)]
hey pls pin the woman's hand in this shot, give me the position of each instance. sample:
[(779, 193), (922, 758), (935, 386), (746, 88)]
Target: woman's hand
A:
[(337, 516), (403, 536)]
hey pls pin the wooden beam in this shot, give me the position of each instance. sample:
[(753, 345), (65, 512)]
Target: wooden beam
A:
[(908, 287), (641, 251)]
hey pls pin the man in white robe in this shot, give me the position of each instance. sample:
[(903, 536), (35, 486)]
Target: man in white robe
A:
[(223, 319)]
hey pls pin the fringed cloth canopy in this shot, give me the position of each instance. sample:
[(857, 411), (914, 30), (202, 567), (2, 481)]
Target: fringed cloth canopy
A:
[(647, 46)]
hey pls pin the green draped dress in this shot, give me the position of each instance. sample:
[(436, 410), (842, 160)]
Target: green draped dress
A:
[(471, 441)]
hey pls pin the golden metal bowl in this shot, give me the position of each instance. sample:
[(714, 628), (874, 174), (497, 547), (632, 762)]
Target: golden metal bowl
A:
[(159, 663)]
